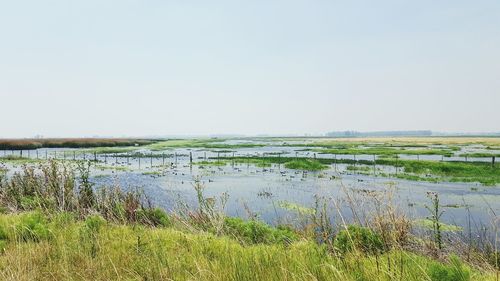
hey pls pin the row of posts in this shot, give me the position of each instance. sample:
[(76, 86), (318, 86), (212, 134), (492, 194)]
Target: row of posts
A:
[(95, 156)]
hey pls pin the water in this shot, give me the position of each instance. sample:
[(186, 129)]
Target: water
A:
[(245, 184)]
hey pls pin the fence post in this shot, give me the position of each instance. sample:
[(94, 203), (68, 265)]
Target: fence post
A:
[(190, 158), (493, 161)]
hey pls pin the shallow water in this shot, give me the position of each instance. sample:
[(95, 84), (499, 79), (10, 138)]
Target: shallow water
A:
[(261, 191)]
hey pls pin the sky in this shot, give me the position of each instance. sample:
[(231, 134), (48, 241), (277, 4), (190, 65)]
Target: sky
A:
[(187, 67)]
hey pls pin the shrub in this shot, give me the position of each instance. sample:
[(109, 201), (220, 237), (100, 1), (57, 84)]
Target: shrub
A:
[(32, 227), (455, 271), (154, 217), (359, 238), (94, 223), (258, 232)]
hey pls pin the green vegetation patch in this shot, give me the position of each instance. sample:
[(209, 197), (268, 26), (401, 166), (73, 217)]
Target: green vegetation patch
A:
[(429, 224), (305, 164), (254, 232)]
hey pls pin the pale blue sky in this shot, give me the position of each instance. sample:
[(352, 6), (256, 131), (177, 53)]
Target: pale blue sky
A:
[(82, 68)]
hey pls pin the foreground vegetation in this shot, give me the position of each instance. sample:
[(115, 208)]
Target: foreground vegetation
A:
[(57, 226), (62, 248)]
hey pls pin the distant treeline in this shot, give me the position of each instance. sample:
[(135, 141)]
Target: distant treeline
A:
[(422, 133), (17, 144)]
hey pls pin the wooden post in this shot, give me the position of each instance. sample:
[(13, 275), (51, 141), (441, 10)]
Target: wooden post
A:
[(314, 156), (128, 158), (55, 154), (116, 158), (46, 155), (95, 156), (493, 161), (84, 156), (163, 158), (151, 160), (105, 158), (21, 153), (37, 154), (205, 156), (139, 162), (74, 155), (190, 158), (64, 155), (175, 158)]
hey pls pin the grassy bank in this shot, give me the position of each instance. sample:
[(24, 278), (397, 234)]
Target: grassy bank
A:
[(94, 249)]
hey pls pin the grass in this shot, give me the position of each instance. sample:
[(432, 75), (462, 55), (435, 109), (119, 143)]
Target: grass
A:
[(211, 163), (16, 159), (480, 155), (420, 170), (17, 144), (96, 250), (305, 164)]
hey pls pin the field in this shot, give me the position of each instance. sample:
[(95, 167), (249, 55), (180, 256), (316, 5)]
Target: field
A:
[(251, 208)]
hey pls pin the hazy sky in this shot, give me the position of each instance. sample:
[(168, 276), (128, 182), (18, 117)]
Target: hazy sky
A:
[(145, 67)]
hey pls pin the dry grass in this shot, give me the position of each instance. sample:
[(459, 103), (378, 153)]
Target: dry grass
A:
[(70, 142)]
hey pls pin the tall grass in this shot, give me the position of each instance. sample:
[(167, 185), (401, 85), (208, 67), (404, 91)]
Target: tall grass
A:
[(15, 144)]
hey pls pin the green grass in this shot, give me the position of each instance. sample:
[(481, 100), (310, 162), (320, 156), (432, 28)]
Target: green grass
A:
[(480, 155), (96, 250), (212, 163), (305, 164), (17, 159)]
